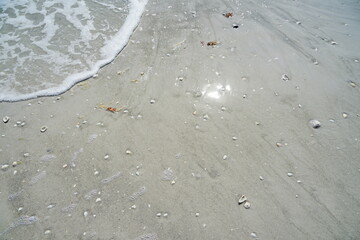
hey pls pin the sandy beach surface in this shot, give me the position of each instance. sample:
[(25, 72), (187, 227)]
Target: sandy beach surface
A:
[(195, 128)]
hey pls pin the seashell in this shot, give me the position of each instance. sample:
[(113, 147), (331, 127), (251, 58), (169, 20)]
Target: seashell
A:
[(225, 157), (197, 214), (247, 205), (353, 84), (285, 77), (128, 152), (43, 129), (314, 123), (345, 115), (290, 174), (106, 157), (158, 214), (47, 232), (242, 199), (152, 101), (6, 119), (4, 167), (234, 138)]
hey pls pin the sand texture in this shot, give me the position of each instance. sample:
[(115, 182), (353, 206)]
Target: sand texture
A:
[(195, 128)]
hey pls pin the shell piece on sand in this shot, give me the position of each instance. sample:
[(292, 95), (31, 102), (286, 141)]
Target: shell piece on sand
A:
[(314, 123), (6, 119), (242, 199), (285, 77), (43, 129), (247, 205)]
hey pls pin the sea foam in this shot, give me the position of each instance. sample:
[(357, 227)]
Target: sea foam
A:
[(48, 47)]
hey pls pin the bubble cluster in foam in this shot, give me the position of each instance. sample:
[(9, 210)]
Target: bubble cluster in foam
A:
[(48, 46)]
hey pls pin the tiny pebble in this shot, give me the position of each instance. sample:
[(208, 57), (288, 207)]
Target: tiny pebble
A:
[(278, 144), (14, 164), (65, 166), (225, 157), (315, 123)]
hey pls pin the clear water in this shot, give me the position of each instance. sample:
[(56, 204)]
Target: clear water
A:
[(49, 45)]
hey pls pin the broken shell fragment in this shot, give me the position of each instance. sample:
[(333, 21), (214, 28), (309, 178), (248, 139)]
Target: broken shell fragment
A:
[(242, 199), (345, 115), (285, 77), (43, 129), (353, 84), (6, 119), (247, 205), (128, 152), (314, 123)]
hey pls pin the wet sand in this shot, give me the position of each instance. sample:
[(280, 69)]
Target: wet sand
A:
[(196, 127)]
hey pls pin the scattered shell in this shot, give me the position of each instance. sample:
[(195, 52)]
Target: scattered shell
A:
[(290, 174), (133, 206), (242, 199), (14, 164), (333, 43), (253, 234), (152, 101), (98, 200), (165, 214), (4, 167), (172, 182), (223, 108), (227, 15), (247, 205), (278, 144), (298, 22), (197, 214), (47, 232), (212, 43), (225, 157), (86, 213), (257, 123), (353, 84), (158, 214), (345, 115), (235, 25), (128, 152), (6, 119), (261, 178), (285, 77), (206, 117), (106, 157), (314, 123), (65, 166), (234, 138), (43, 129), (26, 154)]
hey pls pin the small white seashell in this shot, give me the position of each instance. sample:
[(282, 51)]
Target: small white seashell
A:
[(158, 214), (333, 43), (234, 138), (225, 157), (128, 152), (133, 206), (65, 166), (26, 154), (253, 234), (206, 117), (43, 129), (98, 200), (285, 77), (4, 167), (152, 101), (106, 157), (166, 215), (6, 119), (96, 173), (14, 164), (197, 214), (47, 232), (242, 199), (86, 213), (247, 205), (290, 174), (223, 108), (345, 115), (314, 123), (261, 178), (172, 182)]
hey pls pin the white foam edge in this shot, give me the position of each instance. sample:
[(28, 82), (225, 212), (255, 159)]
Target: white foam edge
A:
[(110, 50)]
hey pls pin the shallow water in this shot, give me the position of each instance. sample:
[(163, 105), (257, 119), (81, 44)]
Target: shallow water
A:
[(48, 46)]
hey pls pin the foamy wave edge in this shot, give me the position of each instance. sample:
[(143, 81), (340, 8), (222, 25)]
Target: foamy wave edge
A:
[(110, 50)]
